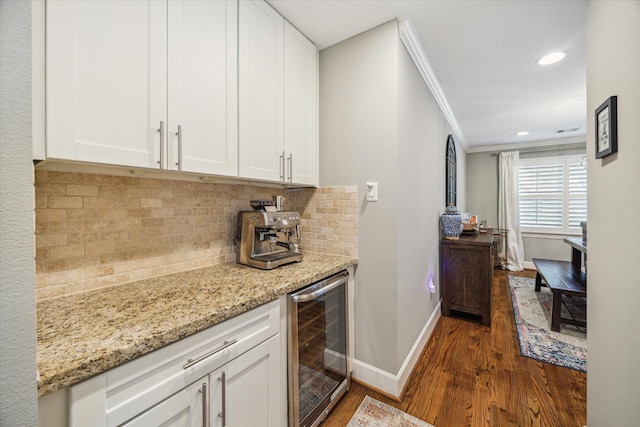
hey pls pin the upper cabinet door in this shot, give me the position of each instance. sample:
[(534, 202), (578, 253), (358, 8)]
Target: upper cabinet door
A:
[(300, 107), (261, 92), (106, 80), (202, 127)]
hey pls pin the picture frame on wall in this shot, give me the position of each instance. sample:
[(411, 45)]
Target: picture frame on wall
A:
[(607, 128)]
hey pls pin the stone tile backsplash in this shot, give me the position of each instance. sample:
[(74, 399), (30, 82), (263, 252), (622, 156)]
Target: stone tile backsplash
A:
[(94, 231), (329, 219)]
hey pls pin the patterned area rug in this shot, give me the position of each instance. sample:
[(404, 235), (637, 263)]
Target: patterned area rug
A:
[(373, 413), (532, 312)]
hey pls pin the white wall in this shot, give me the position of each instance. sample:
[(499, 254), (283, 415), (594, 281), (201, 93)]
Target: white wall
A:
[(379, 122), (18, 395), (613, 67)]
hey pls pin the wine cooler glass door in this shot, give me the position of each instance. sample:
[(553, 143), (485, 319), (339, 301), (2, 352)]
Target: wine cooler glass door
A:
[(318, 374)]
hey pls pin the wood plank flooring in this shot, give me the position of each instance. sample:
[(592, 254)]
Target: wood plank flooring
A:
[(473, 375)]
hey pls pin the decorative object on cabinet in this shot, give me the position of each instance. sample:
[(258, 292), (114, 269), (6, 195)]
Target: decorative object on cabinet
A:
[(452, 172), (466, 268), (451, 221), (607, 128), (532, 313)]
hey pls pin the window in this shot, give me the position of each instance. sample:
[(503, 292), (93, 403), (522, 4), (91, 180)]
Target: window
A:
[(451, 172), (553, 194)]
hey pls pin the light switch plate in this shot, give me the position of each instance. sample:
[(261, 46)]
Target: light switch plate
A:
[(372, 191)]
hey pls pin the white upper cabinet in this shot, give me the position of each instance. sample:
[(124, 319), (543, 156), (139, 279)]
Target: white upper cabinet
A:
[(300, 107), (278, 103), (143, 83), (261, 91), (105, 80), (220, 87), (202, 127)]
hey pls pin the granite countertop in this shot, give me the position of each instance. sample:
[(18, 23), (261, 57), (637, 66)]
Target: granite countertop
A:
[(81, 335)]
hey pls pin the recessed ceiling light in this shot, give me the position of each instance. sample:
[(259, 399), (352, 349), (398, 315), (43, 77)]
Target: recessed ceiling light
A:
[(551, 58), (522, 133)]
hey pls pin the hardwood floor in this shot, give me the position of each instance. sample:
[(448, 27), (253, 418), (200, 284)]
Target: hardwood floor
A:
[(473, 375)]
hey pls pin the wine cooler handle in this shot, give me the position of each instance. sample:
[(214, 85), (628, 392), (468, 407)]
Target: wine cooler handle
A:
[(314, 293)]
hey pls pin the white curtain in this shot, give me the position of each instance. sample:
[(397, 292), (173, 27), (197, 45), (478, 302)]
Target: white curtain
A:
[(509, 209)]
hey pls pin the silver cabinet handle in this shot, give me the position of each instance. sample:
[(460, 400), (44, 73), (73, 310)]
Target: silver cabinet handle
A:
[(179, 134), (162, 144), (290, 160), (205, 405), (222, 414), (282, 171), (224, 345)]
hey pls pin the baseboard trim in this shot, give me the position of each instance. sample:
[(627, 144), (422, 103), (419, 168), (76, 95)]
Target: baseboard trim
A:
[(528, 265), (388, 384)]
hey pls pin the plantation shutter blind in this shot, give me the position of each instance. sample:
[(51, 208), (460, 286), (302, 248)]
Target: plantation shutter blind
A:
[(577, 194), (540, 189), (553, 194)]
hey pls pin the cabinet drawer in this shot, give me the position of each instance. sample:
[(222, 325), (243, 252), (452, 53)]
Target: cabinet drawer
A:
[(143, 382)]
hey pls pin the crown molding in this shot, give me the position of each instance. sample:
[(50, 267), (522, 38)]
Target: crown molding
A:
[(539, 145), (412, 43)]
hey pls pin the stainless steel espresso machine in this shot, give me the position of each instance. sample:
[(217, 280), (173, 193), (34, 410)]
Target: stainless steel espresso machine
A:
[(267, 239)]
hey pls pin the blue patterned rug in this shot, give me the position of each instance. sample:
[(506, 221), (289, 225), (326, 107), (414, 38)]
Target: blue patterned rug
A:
[(532, 312)]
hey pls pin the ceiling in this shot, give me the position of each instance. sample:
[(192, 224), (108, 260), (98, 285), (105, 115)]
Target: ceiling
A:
[(483, 55)]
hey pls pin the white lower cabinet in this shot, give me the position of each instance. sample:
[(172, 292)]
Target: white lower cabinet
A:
[(185, 408), (244, 392), (228, 375)]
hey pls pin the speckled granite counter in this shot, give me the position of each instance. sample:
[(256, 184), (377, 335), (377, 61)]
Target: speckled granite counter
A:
[(85, 334)]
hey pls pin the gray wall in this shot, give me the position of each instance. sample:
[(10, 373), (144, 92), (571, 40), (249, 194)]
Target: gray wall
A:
[(18, 395), (482, 200), (482, 187), (422, 135), (613, 67), (358, 143), (378, 122)]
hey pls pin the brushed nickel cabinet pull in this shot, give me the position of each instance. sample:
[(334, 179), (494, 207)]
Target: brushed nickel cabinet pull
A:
[(282, 171), (222, 414), (290, 167), (224, 345), (162, 144), (205, 405), (179, 134)]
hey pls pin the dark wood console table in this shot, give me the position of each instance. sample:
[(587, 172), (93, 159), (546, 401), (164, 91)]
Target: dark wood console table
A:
[(563, 278), (578, 247), (466, 268)]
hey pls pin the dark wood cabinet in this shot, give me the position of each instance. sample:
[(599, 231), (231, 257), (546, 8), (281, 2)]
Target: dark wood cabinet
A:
[(466, 269)]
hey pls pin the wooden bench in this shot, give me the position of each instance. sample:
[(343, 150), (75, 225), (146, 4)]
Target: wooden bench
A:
[(562, 279)]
